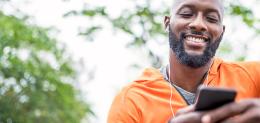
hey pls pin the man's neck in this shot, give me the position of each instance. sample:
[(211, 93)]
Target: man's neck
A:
[(186, 77)]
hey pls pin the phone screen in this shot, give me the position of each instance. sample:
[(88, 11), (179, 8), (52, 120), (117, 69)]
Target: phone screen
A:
[(209, 98)]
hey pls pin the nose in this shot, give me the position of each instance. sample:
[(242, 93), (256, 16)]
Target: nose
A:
[(198, 24)]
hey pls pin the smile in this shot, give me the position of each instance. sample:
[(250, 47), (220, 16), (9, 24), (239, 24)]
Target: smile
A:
[(196, 39), (195, 42)]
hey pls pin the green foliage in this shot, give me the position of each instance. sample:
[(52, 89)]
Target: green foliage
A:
[(141, 24), (35, 77), (244, 12), (246, 15)]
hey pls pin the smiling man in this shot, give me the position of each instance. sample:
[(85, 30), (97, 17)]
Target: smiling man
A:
[(195, 32)]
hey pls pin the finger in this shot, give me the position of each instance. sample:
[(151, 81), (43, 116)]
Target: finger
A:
[(185, 110), (251, 116), (226, 111), (221, 113), (193, 117)]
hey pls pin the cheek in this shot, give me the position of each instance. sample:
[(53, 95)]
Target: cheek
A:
[(216, 32), (178, 26)]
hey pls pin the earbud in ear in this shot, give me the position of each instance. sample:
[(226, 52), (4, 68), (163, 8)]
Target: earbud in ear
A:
[(167, 28)]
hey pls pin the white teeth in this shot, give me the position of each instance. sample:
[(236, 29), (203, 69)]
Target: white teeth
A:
[(194, 39)]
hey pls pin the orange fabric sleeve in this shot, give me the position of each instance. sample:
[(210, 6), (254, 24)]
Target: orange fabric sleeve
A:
[(123, 109), (254, 71), (256, 74)]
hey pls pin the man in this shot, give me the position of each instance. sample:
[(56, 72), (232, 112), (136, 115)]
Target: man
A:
[(159, 96)]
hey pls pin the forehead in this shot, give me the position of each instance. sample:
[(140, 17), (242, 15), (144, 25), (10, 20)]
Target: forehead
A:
[(215, 5)]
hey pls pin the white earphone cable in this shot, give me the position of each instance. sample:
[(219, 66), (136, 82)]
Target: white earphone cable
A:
[(170, 85)]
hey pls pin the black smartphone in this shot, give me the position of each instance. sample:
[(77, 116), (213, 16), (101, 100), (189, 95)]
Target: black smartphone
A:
[(211, 97)]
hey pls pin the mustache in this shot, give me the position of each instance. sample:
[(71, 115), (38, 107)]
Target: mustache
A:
[(197, 32)]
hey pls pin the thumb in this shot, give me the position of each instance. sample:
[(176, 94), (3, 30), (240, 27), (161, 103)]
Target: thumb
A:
[(185, 110)]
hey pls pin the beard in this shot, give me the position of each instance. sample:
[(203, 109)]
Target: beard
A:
[(193, 61)]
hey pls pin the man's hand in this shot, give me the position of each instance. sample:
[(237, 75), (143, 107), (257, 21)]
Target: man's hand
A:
[(246, 111), (187, 115)]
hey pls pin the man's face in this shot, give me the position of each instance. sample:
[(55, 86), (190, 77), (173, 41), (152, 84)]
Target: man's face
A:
[(195, 30)]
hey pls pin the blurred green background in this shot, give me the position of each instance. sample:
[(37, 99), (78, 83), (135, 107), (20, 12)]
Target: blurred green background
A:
[(41, 79)]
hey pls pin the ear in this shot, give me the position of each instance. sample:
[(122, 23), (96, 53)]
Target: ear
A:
[(224, 28), (166, 22)]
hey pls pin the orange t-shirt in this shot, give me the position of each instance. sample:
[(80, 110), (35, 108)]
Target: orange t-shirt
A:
[(147, 99)]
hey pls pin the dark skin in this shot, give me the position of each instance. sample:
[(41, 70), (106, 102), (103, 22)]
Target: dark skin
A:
[(184, 76), (245, 111), (204, 16), (180, 21)]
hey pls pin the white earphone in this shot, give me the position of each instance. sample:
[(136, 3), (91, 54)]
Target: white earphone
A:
[(170, 100)]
